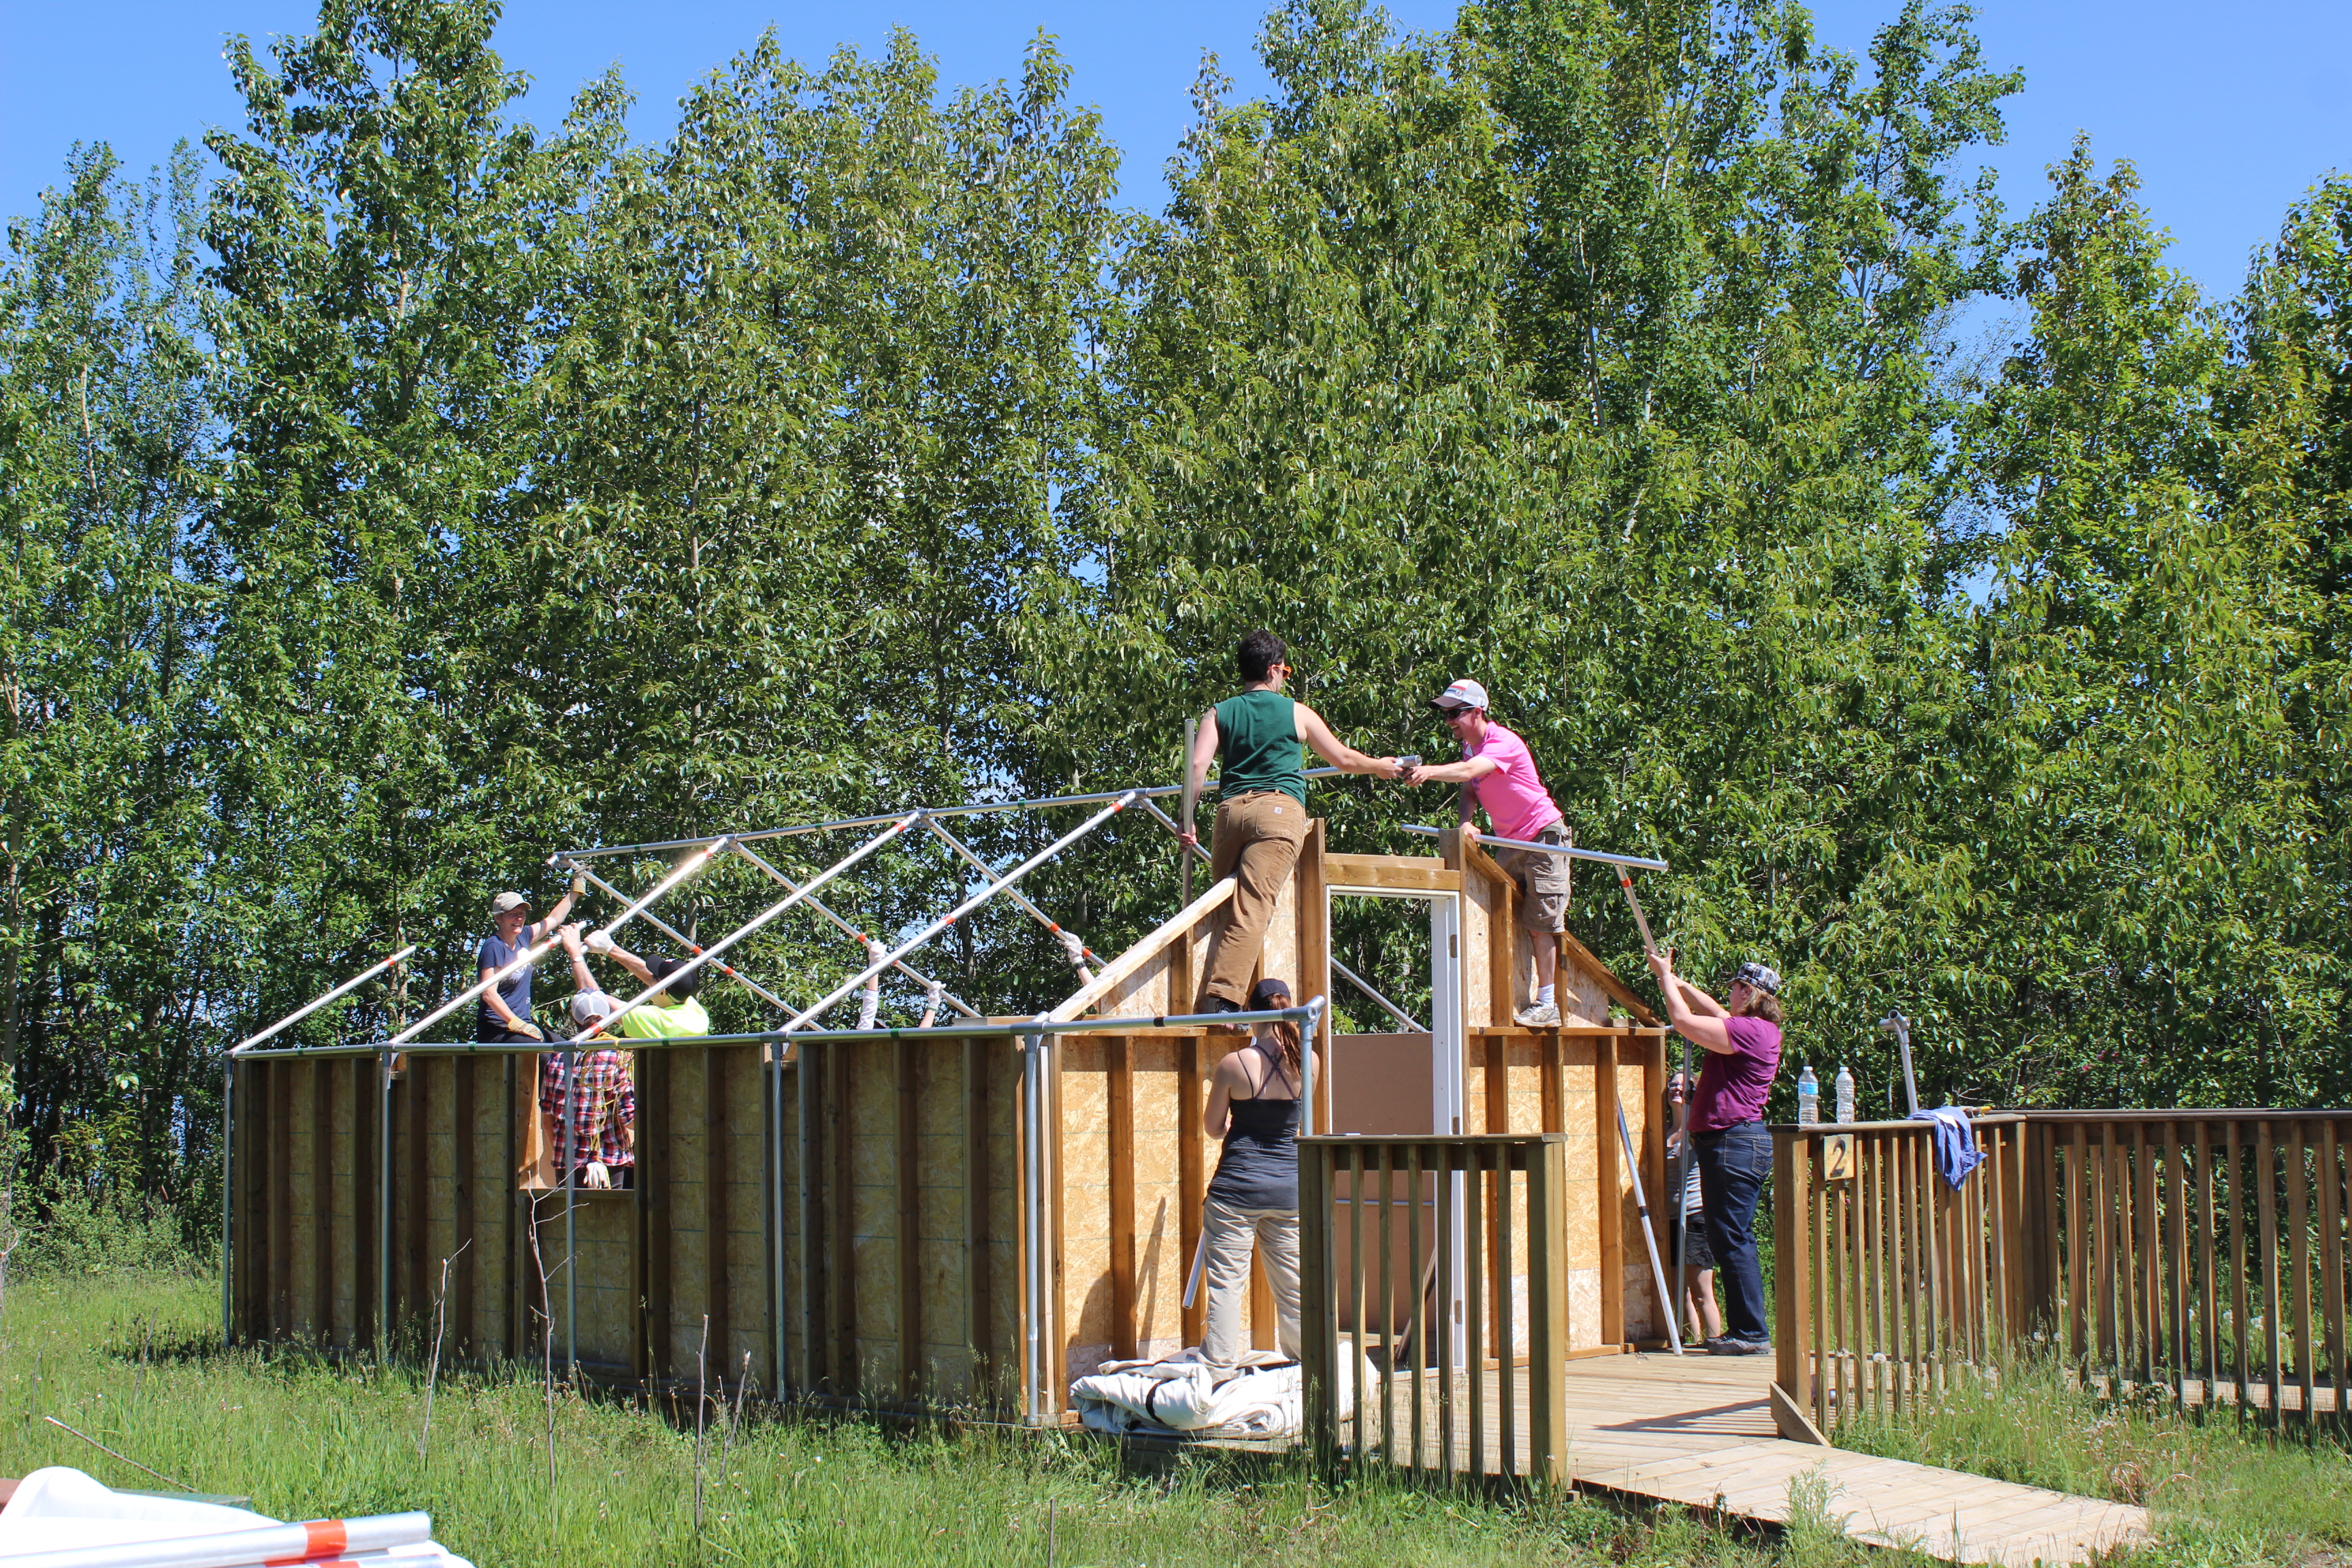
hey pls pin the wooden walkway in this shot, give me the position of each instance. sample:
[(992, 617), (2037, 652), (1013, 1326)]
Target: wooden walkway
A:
[(1697, 1430)]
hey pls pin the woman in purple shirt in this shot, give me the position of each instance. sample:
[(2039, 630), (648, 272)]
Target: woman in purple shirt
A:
[(1742, 1041)]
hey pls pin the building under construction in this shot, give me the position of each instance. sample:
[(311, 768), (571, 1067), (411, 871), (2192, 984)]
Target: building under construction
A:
[(964, 1215)]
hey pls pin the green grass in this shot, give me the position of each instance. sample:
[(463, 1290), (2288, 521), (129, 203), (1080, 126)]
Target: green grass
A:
[(305, 1439), (2217, 1491)]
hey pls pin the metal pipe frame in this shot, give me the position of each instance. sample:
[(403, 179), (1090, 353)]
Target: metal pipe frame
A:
[(1018, 897), (965, 908), (1568, 850), (710, 954), (540, 949), (684, 940), (969, 808), (821, 907), (354, 983), (977, 1029)]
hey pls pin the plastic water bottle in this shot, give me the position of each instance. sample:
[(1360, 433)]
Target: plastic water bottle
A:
[(1845, 1094), (1808, 1098)]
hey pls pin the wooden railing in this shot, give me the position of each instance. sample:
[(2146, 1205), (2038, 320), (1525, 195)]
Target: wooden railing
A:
[(1889, 1279), (1394, 1233), (2201, 1254)]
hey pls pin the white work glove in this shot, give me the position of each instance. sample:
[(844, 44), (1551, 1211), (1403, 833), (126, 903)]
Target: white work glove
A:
[(599, 1178), (579, 883), (931, 992), (870, 1006), (600, 942)]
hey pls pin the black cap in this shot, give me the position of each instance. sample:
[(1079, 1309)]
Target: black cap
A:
[(663, 968), (1265, 993)]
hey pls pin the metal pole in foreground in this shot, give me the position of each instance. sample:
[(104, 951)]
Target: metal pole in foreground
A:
[(1649, 1230), (229, 1202), (354, 983), (383, 1200), (1032, 1053), (1901, 1027), (1639, 862)]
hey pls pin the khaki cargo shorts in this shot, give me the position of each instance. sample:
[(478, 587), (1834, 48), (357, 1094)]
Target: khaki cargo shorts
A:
[(1542, 880)]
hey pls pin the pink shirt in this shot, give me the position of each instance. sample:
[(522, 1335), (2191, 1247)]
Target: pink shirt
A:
[(1514, 798)]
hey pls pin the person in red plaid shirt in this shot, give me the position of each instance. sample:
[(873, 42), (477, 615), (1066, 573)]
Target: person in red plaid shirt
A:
[(597, 1100)]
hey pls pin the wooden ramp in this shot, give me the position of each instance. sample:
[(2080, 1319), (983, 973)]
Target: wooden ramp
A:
[(1697, 1430)]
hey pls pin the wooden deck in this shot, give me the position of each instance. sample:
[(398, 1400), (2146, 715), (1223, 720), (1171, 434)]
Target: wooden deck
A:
[(1697, 1430)]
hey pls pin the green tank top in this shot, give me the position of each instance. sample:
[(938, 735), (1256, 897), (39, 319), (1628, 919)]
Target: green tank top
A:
[(1257, 739)]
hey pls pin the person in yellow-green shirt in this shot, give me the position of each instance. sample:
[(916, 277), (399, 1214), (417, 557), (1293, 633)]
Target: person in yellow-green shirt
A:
[(669, 1013)]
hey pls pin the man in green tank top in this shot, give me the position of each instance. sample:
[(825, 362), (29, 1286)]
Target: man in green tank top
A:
[(1261, 806)]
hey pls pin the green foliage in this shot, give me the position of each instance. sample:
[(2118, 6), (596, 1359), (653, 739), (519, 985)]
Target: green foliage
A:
[(486, 491)]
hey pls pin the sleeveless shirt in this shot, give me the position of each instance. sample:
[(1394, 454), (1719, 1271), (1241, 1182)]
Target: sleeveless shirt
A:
[(1257, 736), (1259, 1166)]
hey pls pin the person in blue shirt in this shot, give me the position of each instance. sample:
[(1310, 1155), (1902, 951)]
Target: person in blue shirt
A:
[(502, 1016)]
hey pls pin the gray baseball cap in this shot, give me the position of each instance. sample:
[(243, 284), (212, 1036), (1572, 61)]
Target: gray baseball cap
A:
[(506, 902)]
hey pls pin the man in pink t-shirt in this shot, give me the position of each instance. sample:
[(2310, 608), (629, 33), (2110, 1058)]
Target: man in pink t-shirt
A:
[(1496, 773)]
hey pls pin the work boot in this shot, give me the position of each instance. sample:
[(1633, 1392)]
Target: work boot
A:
[(1536, 1016)]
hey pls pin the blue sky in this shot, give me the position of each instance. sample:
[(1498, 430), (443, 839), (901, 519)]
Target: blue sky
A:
[(2229, 112)]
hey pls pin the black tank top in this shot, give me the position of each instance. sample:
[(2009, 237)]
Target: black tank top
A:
[(1259, 1166)]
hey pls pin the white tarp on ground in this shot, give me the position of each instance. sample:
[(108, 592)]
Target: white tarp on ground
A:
[(61, 1518), (1184, 1396)]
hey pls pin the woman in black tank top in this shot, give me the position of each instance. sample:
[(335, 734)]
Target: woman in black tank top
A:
[(1254, 1196)]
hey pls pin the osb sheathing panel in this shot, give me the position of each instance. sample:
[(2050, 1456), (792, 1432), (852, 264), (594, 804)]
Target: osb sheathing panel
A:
[(604, 1242), (1479, 898), (947, 1370), (1145, 992), (1643, 1320), (1085, 1314), (1161, 1265), (1579, 992)]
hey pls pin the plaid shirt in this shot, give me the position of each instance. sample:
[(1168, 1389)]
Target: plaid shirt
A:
[(604, 1103)]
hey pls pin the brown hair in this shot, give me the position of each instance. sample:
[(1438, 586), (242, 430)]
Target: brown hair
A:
[(1762, 1005), (1267, 995)]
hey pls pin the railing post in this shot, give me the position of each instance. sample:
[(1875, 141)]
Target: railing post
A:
[(1547, 1312), (1792, 1264), (1318, 1327)]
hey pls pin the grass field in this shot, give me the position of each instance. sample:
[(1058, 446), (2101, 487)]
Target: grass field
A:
[(133, 1361)]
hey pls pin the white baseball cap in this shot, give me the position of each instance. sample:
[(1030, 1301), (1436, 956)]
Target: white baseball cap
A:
[(590, 1006), (1463, 693)]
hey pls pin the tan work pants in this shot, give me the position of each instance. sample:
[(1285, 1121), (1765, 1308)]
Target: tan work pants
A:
[(1226, 1234), (1256, 843)]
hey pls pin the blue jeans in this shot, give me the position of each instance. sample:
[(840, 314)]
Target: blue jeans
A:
[(1733, 1163)]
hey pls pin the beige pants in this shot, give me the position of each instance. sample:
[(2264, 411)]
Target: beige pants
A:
[(1256, 843), (1226, 1234)]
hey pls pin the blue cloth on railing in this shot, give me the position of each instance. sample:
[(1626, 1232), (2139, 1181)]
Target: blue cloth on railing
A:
[(1956, 1142)]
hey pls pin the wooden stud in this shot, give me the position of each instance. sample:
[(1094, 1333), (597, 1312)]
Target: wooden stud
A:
[(2147, 1323), (465, 1247), (1900, 1305), (419, 1120), (718, 1199), (1478, 1258), (1356, 1287), (1553, 1085), (1318, 1316), (1118, 1091), (2298, 1296), (2333, 1261), (1498, 1120), (2209, 1322), (2239, 1257), (1820, 1244), (2078, 1231), (2176, 1253), (1191, 1178), (1548, 1437), (980, 1335), (281, 1233), (2113, 1271), (908, 1243), (653, 1350), (1315, 958), (323, 1188), (1424, 1306), (510, 1323), (841, 1251), (2266, 1197), (1611, 1179)]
